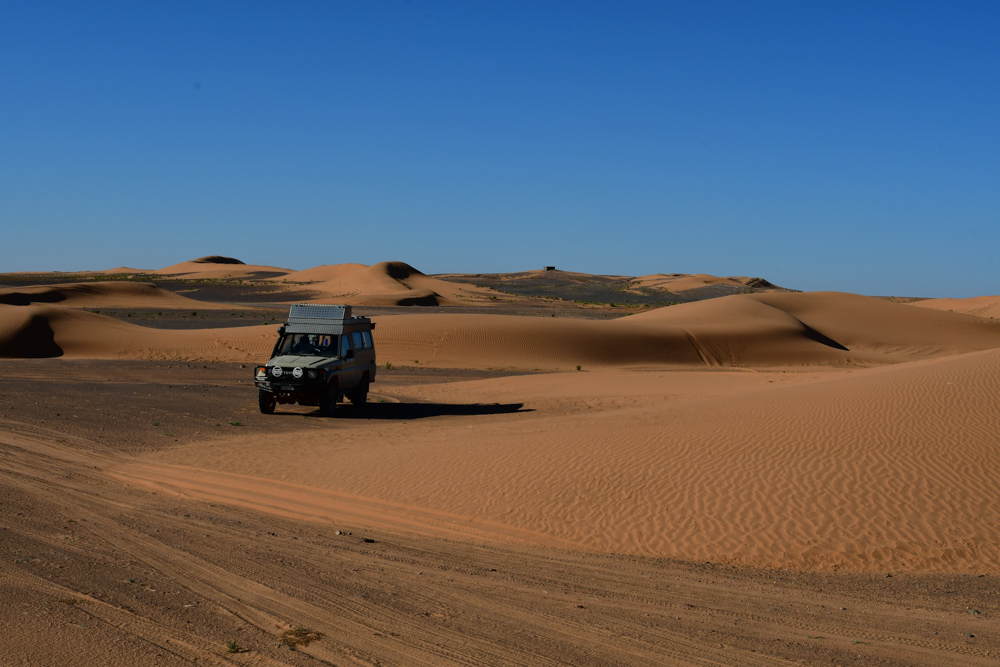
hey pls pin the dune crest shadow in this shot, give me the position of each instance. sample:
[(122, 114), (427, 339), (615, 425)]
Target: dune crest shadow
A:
[(812, 334), (34, 340), (27, 299)]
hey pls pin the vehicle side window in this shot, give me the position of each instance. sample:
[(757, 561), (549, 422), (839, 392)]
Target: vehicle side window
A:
[(345, 345), (366, 336), (356, 339)]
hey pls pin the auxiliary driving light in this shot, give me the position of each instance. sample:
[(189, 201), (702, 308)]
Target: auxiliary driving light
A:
[(297, 373), (276, 371)]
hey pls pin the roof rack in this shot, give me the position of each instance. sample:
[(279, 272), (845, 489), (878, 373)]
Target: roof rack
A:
[(314, 318), (315, 311)]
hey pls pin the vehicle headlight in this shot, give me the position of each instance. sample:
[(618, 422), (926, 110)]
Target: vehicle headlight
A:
[(311, 374), (261, 373), (297, 373), (276, 371)]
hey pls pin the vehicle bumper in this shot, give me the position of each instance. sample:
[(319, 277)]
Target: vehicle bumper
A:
[(287, 392)]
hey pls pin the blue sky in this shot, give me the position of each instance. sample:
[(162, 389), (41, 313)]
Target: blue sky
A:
[(822, 145)]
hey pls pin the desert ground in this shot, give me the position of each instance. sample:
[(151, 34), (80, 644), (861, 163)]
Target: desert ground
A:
[(554, 468)]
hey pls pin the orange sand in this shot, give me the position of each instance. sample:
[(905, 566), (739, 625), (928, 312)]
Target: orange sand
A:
[(388, 283), (753, 331), (201, 270), (681, 438), (881, 468), (983, 306), (320, 273)]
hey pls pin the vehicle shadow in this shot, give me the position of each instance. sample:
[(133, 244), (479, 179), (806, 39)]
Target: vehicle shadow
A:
[(407, 411)]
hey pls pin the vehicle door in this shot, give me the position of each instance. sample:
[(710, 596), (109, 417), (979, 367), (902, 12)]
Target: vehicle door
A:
[(363, 356), (351, 375)]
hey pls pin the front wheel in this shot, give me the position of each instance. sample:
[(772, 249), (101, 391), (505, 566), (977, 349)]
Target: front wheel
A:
[(328, 400), (266, 401), (359, 397)]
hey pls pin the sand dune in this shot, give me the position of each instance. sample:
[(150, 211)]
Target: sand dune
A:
[(392, 283), (983, 306), (871, 329), (758, 331), (111, 294), (888, 468), (215, 266), (322, 273), (208, 267), (52, 331)]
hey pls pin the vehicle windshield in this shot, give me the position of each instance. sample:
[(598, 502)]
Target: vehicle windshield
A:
[(313, 345)]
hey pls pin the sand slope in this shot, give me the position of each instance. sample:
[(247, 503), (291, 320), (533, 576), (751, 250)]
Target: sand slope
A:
[(869, 328), (983, 306), (889, 468), (110, 294), (119, 577)]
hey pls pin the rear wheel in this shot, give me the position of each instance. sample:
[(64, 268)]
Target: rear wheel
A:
[(266, 401), (359, 397)]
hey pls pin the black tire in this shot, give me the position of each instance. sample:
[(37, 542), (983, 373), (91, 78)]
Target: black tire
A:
[(328, 400), (359, 397), (266, 401)]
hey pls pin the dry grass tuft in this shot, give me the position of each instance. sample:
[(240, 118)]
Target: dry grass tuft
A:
[(300, 637)]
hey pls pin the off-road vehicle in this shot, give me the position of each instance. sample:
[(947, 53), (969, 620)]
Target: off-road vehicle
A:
[(322, 355)]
